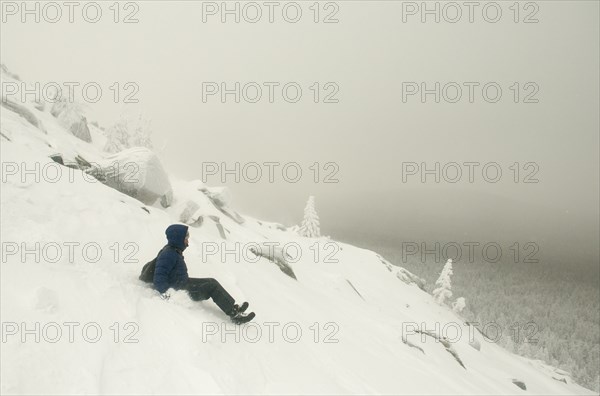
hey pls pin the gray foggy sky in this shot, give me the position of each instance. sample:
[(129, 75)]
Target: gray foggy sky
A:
[(369, 53)]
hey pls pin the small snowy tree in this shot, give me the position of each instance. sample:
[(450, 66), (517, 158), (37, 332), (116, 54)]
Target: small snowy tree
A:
[(310, 224), (117, 137), (459, 305), (140, 131), (442, 292), (128, 132)]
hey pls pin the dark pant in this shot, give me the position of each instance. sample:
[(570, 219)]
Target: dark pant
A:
[(205, 288)]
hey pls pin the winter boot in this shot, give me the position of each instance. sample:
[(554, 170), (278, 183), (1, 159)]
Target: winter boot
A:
[(239, 318), (237, 314), (241, 309)]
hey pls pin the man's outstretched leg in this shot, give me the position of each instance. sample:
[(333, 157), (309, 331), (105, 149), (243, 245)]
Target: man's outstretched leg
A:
[(205, 288)]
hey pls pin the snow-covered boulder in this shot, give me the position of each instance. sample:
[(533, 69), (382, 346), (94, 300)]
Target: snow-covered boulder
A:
[(191, 204), (23, 112), (403, 274), (191, 213), (408, 277), (138, 173), (276, 255), (221, 198), (81, 130), (71, 119)]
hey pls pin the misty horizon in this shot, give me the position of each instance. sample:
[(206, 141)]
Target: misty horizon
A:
[(370, 133)]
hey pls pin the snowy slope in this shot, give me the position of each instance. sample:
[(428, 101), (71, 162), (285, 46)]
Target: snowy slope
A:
[(336, 329)]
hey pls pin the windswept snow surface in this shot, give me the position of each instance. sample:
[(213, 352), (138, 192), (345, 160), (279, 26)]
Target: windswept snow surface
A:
[(76, 320)]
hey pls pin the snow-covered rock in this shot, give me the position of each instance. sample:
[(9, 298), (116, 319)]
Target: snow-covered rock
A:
[(71, 119), (221, 198), (23, 112), (137, 172), (403, 274)]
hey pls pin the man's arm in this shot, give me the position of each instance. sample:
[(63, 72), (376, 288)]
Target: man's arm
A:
[(164, 265)]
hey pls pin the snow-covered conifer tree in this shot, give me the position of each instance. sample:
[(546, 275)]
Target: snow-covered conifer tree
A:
[(310, 224), (443, 290)]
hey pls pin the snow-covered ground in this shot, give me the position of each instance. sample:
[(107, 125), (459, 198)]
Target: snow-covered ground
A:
[(76, 320)]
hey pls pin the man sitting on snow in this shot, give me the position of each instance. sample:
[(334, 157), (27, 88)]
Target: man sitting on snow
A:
[(171, 272)]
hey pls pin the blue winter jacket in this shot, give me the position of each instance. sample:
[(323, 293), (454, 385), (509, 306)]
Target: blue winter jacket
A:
[(171, 270)]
